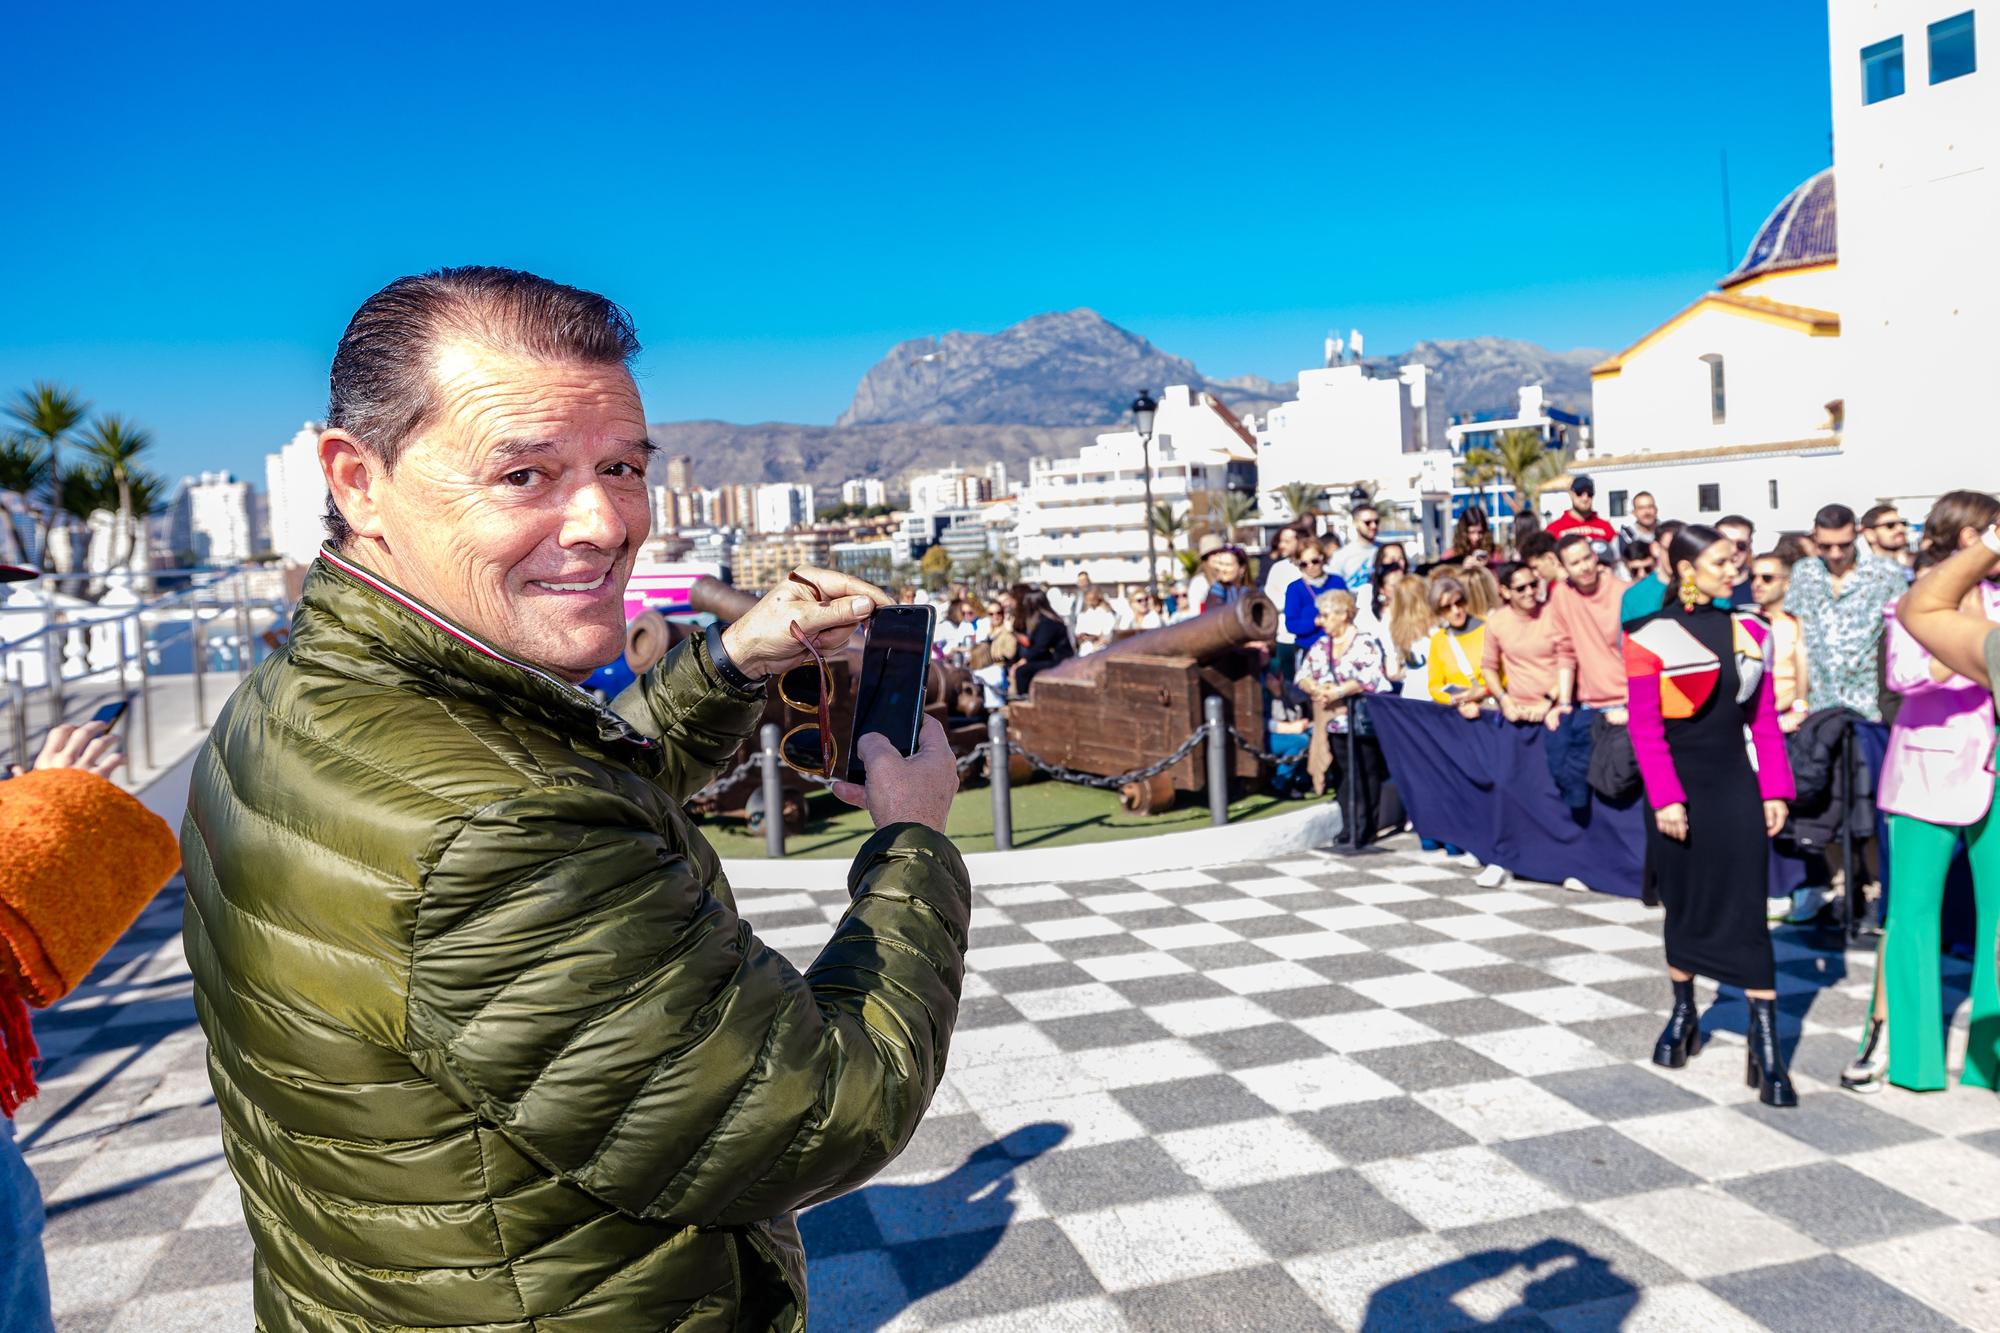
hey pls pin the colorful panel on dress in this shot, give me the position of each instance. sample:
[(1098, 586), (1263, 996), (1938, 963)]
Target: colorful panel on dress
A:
[(1688, 671)]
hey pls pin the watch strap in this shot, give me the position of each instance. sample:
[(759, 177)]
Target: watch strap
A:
[(725, 666)]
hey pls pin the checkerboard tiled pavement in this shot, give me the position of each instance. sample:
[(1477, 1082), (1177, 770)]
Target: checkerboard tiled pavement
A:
[(1319, 1093)]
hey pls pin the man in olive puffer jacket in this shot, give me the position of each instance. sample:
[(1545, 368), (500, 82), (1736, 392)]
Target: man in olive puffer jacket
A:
[(493, 1049)]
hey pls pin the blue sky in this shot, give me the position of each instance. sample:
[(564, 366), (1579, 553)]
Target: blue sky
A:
[(200, 195)]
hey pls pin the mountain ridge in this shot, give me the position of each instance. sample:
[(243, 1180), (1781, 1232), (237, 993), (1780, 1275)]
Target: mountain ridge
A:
[(1048, 385)]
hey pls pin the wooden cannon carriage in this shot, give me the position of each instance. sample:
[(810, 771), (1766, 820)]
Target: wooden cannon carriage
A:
[(953, 698), (1133, 702)]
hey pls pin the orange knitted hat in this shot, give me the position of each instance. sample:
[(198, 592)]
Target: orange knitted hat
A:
[(79, 860)]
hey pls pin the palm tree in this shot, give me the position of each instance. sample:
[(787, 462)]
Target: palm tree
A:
[(1170, 523), (49, 412), (1300, 497), (24, 465), (115, 444), (1528, 463), (24, 470), (1235, 510)]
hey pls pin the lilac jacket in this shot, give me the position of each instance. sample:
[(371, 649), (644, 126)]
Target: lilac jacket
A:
[(1939, 765), (1647, 723)]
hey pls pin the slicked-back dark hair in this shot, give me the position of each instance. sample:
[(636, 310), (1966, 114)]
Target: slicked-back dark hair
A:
[(382, 389)]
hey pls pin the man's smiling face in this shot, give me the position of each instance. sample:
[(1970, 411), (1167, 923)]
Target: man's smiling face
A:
[(519, 510)]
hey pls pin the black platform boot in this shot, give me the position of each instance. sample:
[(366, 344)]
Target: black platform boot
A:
[(1681, 1037), (1766, 1069)]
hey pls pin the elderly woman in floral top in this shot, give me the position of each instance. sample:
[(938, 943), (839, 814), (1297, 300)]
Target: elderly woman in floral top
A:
[(1341, 664)]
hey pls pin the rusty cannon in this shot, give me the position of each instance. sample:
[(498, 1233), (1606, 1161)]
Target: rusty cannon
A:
[(952, 697), (1135, 701)]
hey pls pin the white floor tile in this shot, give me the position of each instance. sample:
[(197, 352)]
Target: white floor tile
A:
[(1460, 1187), (1955, 1269), (1717, 1142), (1503, 1109), (1366, 1030), (1308, 1085), (1164, 1240), (1247, 1152), (1702, 1231)]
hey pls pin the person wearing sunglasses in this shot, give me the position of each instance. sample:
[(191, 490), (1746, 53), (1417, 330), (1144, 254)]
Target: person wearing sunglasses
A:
[(1839, 596), (1887, 533), (491, 1042), (1770, 580), (1519, 661), (1302, 597), (1742, 534)]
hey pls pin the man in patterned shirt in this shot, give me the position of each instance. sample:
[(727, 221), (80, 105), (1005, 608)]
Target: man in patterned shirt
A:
[(1838, 597)]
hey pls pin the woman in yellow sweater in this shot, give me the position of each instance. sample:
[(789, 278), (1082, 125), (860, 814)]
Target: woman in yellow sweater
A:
[(1456, 647)]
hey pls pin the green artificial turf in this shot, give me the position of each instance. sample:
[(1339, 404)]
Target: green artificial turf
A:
[(1046, 814)]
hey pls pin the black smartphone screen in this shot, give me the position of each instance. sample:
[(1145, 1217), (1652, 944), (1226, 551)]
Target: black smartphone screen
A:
[(895, 668), (111, 712)]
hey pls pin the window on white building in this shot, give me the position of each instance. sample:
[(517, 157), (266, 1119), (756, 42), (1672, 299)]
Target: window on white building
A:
[(1718, 405), (1774, 493), (1708, 498), (1951, 47), (1619, 500), (1882, 71)]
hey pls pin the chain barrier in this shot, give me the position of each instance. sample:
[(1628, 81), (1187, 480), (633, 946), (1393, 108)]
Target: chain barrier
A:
[(1063, 774), (1244, 744), (972, 758)]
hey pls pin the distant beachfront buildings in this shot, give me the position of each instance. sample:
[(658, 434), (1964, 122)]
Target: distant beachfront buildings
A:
[(213, 519)]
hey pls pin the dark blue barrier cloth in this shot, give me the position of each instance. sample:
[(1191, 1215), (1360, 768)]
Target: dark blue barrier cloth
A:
[(1485, 786)]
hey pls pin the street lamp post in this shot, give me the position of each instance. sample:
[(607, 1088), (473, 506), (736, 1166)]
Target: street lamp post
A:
[(1143, 408)]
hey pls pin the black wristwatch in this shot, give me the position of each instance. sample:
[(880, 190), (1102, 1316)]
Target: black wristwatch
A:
[(725, 666)]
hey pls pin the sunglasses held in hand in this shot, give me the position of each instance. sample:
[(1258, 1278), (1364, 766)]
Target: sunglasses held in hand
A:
[(808, 688)]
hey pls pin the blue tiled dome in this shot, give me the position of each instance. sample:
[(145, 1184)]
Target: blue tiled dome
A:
[(1799, 233)]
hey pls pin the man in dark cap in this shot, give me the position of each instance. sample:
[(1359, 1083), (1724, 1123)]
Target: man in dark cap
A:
[(1582, 516)]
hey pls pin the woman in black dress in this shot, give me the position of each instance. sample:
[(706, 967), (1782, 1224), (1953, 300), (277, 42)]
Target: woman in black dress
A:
[(1044, 638), (1696, 678)]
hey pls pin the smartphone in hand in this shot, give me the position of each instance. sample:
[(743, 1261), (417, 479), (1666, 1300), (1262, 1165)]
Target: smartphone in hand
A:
[(895, 674), (111, 712)]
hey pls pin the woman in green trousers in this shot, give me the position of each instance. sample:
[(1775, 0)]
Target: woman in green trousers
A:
[(1937, 786)]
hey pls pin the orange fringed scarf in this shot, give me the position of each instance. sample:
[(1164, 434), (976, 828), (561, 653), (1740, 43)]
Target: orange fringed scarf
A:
[(79, 860)]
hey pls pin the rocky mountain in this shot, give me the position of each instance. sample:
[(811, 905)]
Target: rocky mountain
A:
[(1484, 375), (825, 456), (1058, 369), (1047, 386)]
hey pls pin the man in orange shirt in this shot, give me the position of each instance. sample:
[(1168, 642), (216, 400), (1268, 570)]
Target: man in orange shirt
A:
[(1519, 661), (1590, 663)]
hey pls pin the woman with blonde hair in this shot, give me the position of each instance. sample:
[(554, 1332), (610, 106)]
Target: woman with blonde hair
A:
[(1482, 590), (1410, 621), (1456, 647)]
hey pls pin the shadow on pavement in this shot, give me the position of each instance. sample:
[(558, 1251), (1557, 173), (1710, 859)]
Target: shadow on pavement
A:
[(1558, 1274), (936, 1233)]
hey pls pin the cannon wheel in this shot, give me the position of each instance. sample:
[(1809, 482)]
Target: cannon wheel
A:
[(1148, 796)]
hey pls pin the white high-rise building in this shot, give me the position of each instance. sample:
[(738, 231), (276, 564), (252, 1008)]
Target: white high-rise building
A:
[(782, 506), (1088, 514), (1345, 427), (949, 488), (295, 491), (867, 492), (211, 517)]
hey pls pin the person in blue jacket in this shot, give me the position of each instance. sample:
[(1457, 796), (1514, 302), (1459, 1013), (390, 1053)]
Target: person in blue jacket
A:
[(1302, 597)]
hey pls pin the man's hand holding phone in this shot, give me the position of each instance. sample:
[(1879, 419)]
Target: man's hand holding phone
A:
[(916, 790), (92, 747)]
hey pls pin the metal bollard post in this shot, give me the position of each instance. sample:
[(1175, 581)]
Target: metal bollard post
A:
[(1218, 760), (17, 699), (198, 646), (243, 648), (1001, 782), (774, 791), (145, 686), (52, 663)]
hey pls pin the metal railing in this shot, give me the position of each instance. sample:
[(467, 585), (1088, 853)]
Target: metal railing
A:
[(92, 653)]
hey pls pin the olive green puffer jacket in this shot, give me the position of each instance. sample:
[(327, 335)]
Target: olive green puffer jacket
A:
[(493, 1049)]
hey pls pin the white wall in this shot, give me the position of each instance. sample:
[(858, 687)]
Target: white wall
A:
[(1777, 381), (1343, 427), (297, 496), (1806, 480), (1919, 226)]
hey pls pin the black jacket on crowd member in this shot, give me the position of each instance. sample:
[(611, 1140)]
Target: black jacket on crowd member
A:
[(1818, 753), (1048, 643), (1614, 768)]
